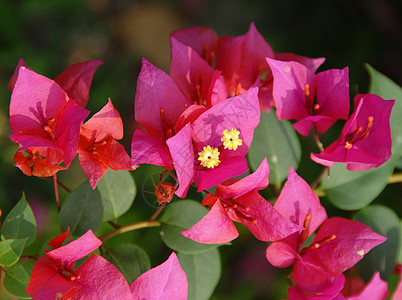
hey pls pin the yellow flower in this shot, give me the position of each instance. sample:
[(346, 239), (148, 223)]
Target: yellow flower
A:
[(231, 139), (209, 157)]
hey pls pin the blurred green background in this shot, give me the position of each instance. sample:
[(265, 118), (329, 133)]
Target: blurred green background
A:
[(50, 35)]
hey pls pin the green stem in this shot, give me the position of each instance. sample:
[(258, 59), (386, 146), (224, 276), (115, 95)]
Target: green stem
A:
[(130, 227)]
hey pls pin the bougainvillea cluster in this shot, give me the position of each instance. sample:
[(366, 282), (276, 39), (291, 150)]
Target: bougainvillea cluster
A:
[(197, 123)]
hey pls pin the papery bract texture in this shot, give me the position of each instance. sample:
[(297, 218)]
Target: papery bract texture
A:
[(164, 282), (158, 105), (295, 88), (238, 200), (195, 77), (53, 275), (365, 141), (44, 120), (242, 59), (98, 149)]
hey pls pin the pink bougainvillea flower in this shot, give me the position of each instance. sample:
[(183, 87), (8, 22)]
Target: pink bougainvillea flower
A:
[(158, 105), (266, 86), (98, 149), (376, 289), (242, 59), (212, 148), (295, 88), (238, 200), (75, 80), (339, 244), (45, 123), (202, 39), (53, 275), (164, 282), (365, 141), (195, 77)]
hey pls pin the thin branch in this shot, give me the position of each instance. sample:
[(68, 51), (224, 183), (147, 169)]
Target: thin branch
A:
[(317, 139), (130, 227), (114, 225), (157, 212), (56, 192), (316, 181), (64, 187)]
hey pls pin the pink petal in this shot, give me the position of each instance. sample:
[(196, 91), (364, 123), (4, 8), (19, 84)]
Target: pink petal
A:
[(214, 228), (352, 241), (288, 89), (329, 289), (281, 255), (188, 70), (35, 99), (164, 282), (241, 112), (99, 279), (264, 222), (311, 63), (77, 79), (242, 58), (146, 149), (306, 273), (229, 167), (202, 39), (93, 169), (46, 282), (13, 79), (75, 250), (105, 124), (156, 90), (68, 129), (376, 289), (296, 200), (253, 182), (181, 149), (113, 155), (333, 93), (323, 123), (59, 240), (371, 151)]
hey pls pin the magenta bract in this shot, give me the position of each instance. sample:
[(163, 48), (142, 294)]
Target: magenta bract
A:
[(365, 141), (238, 200), (295, 88), (44, 120), (98, 149)]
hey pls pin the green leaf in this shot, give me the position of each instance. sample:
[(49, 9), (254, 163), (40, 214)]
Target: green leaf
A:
[(400, 244), (387, 89), (20, 223), (384, 221), (354, 190), (130, 259), (17, 278), (179, 216), (203, 272), (117, 190), (10, 251), (278, 141), (82, 210)]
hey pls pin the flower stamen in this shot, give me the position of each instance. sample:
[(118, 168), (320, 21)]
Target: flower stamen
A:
[(231, 139), (209, 157)]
